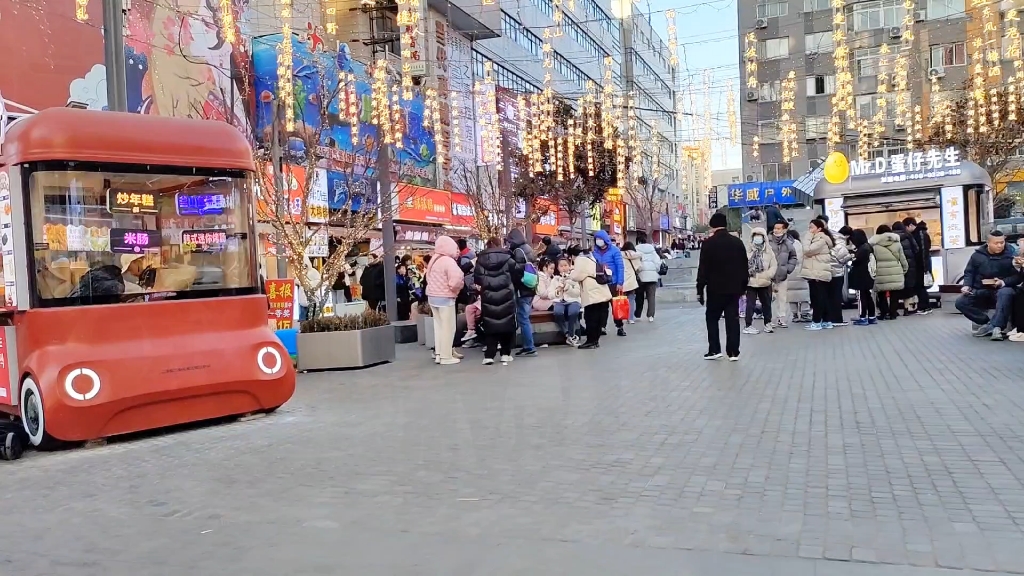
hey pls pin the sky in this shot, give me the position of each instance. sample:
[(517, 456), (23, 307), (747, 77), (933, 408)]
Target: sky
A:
[(707, 37)]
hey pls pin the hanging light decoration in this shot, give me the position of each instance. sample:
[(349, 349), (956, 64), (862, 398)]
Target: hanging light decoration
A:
[(429, 102), (558, 17), (227, 19), (877, 128), (589, 110), (81, 10), (454, 100), (572, 136), (842, 100), (488, 116), (755, 146), (673, 42), (380, 115), (730, 113), (787, 124), (352, 105), (331, 15), (409, 23), (608, 105), (620, 145), (993, 58), (978, 109), (705, 158), (917, 129), (1014, 80), (396, 120), (284, 66), (750, 54)]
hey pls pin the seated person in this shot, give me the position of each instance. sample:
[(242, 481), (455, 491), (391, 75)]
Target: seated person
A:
[(989, 279)]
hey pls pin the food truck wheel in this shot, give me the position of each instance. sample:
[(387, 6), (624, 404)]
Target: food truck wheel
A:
[(33, 417)]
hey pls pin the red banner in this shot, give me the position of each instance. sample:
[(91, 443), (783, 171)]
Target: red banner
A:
[(294, 178), (463, 214), (616, 212), (547, 225), (419, 204), (281, 294)]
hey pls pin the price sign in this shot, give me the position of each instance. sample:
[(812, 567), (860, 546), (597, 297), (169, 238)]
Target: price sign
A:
[(281, 296), (133, 241), (120, 201), (208, 241)]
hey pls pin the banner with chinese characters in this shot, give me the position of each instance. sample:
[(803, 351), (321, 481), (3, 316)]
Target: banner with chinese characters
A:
[(294, 178), (281, 296), (419, 204), (931, 163), (133, 241), (953, 217), (547, 224), (460, 98), (317, 210), (120, 201), (319, 243), (205, 241), (463, 215), (765, 193)]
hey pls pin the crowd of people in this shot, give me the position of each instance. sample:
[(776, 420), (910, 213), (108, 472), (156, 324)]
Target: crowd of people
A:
[(509, 279), (780, 275)]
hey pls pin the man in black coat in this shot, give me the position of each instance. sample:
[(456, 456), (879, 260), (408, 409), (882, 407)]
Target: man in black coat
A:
[(551, 250), (722, 269), (989, 281), (372, 283), (919, 232), (522, 253), (913, 278)]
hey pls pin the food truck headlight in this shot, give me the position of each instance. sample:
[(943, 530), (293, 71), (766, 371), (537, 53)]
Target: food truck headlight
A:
[(275, 363), (90, 375)]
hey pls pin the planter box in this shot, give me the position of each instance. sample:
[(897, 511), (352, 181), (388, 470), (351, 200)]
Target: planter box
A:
[(353, 349), (406, 331)]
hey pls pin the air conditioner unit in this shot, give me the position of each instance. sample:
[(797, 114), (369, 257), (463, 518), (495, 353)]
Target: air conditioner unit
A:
[(936, 72), (761, 23), (751, 178), (895, 31), (920, 15), (751, 95)]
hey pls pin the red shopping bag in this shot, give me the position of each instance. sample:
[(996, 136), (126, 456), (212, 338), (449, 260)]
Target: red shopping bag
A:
[(620, 308)]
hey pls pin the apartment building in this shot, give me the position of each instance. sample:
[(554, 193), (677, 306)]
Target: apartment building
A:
[(797, 36)]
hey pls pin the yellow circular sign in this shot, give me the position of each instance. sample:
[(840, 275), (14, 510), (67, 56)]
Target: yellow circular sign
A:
[(837, 169)]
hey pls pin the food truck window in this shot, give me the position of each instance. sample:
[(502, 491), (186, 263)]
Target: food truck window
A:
[(104, 237)]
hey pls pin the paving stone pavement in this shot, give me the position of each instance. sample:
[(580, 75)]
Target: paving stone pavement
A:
[(896, 449)]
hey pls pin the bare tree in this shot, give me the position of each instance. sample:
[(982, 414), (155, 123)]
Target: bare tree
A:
[(646, 192), (493, 207)]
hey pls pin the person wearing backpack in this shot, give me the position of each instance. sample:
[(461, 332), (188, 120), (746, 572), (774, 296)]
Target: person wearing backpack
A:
[(648, 275), (608, 256), (525, 280), (862, 277), (594, 295)]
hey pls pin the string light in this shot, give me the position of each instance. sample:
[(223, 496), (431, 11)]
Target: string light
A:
[(755, 146), (558, 17), (620, 146), (1013, 82), (917, 129), (842, 100), (590, 111), (787, 124), (673, 43), (429, 103), (705, 145), (730, 112), (331, 12), (750, 54), (490, 132), (570, 147), (878, 121), (352, 106), (81, 10), (396, 120), (409, 22), (607, 105), (454, 99), (995, 68), (380, 115), (284, 66)]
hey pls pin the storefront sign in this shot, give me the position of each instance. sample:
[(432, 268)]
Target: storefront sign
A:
[(463, 215), (713, 199), (425, 234), (119, 201), (547, 224), (281, 295), (931, 163), (6, 390), (7, 240), (341, 187), (319, 243), (665, 222), (203, 240), (953, 217), (420, 204), (200, 204), (594, 217), (290, 198), (835, 213), (761, 194), (317, 208), (133, 241)]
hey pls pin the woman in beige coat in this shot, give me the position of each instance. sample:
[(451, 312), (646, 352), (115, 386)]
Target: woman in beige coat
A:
[(593, 296), (761, 267), (817, 269), (632, 262)]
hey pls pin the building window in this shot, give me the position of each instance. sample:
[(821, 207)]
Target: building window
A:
[(946, 9), (819, 85), (818, 43), (816, 127), (815, 5), (518, 33), (773, 48), (947, 55), (770, 91), (772, 8), (878, 14), (776, 171), (768, 131), (867, 105), (887, 148), (867, 60)]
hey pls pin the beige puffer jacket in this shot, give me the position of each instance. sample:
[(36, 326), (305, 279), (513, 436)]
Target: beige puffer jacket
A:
[(817, 263), (632, 262), (584, 270), (764, 278)]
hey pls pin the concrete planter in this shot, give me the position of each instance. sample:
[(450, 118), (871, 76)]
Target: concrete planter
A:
[(428, 331), (421, 330), (353, 349)]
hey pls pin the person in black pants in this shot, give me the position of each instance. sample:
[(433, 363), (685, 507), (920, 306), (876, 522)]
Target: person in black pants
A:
[(919, 232), (723, 271), (860, 278)]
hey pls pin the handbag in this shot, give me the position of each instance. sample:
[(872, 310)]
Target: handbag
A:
[(663, 269), (602, 276), (928, 280), (620, 308), (530, 277)]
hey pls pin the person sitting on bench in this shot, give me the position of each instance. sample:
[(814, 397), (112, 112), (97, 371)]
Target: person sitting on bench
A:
[(989, 279)]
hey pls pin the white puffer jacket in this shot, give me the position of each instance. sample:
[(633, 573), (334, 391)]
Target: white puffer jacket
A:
[(817, 263), (763, 278), (649, 264)]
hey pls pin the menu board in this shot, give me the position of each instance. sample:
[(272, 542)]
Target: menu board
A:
[(7, 241), (208, 241), (126, 241), (121, 202), (200, 204), (281, 295)]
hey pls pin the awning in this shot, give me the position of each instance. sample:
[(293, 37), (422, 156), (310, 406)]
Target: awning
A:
[(887, 202), (462, 21), (963, 173)]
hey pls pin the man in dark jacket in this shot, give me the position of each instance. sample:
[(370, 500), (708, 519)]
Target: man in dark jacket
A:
[(722, 269), (522, 253), (913, 253), (493, 272), (785, 255), (372, 283), (551, 250), (919, 231), (773, 215), (989, 279)]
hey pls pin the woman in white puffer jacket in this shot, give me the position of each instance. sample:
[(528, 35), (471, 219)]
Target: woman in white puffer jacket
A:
[(647, 275)]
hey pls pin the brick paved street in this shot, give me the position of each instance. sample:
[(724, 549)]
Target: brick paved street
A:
[(888, 450)]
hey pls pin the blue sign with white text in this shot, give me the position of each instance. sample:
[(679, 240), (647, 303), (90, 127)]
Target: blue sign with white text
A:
[(750, 194)]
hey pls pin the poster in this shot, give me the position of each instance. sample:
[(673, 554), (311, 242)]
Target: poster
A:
[(281, 295), (953, 217), (6, 390), (7, 242)]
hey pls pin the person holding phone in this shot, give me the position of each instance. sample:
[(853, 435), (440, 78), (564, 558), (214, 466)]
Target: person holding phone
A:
[(989, 281)]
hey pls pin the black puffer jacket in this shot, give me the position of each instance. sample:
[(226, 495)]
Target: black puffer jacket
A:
[(493, 273), (924, 241), (912, 251), (522, 253)]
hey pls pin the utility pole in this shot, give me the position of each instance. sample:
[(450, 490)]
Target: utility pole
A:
[(387, 229), (113, 53), (279, 187)]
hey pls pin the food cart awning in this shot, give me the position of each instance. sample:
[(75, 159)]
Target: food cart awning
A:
[(124, 138), (879, 177)]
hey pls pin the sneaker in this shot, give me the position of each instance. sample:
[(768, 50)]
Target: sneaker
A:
[(456, 354), (861, 322), (796, 319), (997, 334), (589, 346), (983, 331), (806, 318), (735, 358), (506, 359), (620, 332), (437, 359), (631, 321), (872, 321), (768, 329), (781, 323), (488, 361), (751, 330), (449, 361), (827, 325), (924, 312), (712, 356), (843, 323), (574, 341), (813, 326), (471, 335), (650, 318), (525, 352)]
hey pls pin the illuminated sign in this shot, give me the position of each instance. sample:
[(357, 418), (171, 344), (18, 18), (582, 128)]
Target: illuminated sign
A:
[(133, 241), (931, 163), (200, 204), (203, 240), (953, 217), (835, 213), (131, 202)]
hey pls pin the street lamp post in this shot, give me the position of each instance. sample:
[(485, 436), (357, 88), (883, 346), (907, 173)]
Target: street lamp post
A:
[(113, 53)]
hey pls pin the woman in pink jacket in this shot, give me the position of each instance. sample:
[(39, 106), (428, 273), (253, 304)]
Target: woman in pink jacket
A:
[(444, 281)]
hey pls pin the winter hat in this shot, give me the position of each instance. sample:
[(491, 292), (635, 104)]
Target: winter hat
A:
[(718, 220)]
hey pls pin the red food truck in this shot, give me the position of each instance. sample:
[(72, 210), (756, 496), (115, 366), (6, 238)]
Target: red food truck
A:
[(130, 293)]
